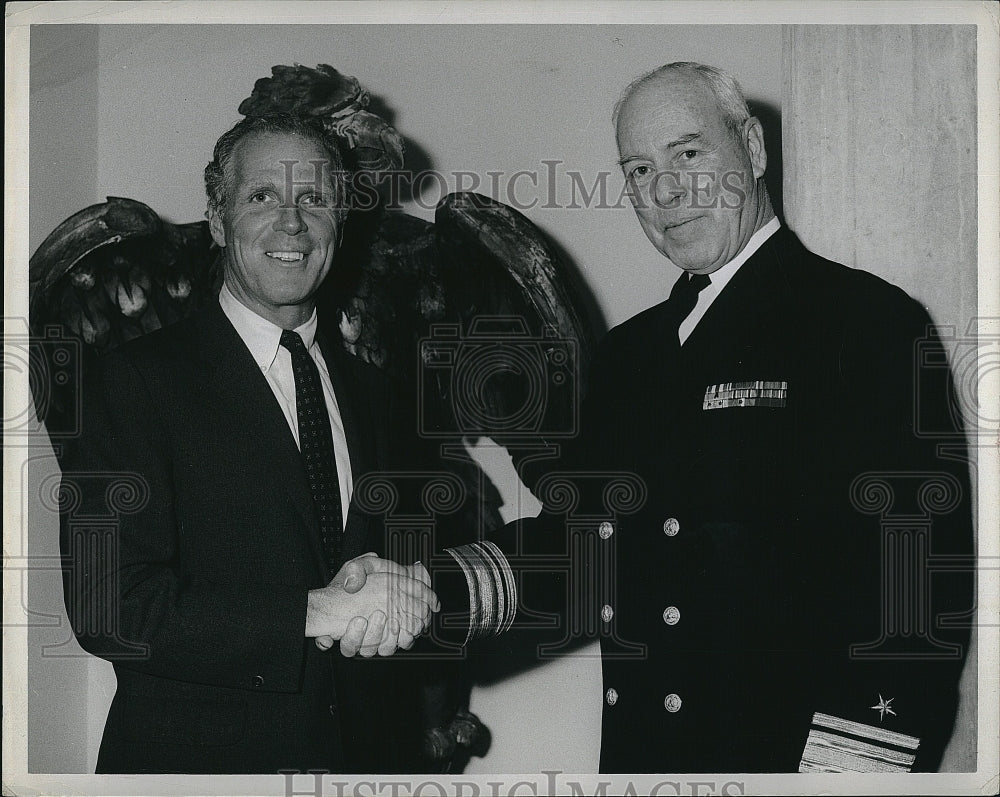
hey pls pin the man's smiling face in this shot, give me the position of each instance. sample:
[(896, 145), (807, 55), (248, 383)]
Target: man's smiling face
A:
[(695, 182), (278, 226)]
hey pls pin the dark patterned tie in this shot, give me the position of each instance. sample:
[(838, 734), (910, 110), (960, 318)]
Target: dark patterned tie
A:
[(683, 298), (316, 445)]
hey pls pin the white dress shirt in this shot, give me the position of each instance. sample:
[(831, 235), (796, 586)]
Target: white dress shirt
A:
[(263, 339), (721, 276)]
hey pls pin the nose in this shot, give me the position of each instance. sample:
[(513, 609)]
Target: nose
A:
[(667, 188), (289, 221)]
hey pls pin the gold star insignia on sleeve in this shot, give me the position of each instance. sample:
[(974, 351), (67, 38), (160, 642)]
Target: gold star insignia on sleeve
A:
[(882, 707)]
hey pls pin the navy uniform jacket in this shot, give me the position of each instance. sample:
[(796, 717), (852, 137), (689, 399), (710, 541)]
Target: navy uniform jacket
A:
[(191, 541), (742, 550)]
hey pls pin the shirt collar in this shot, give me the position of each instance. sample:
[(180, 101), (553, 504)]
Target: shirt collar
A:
[(261, 337), (723, 274)]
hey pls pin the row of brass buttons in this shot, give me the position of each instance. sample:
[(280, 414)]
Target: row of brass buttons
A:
[(670, 527), (671, 615), (671, 702)]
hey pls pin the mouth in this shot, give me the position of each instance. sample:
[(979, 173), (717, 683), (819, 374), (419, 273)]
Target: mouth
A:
[(677, 224), (286, 257)]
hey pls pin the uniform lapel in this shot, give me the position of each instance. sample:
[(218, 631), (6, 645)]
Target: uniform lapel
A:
[(240, 388), (754, 294)]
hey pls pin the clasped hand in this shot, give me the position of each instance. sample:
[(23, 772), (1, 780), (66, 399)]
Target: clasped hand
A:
[(373, 606)]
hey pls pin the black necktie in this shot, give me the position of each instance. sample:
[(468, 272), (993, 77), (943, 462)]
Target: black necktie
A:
[(316, 445), (683, 298)]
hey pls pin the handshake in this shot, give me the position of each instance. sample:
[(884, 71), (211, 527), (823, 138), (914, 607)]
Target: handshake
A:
[(373, 606)]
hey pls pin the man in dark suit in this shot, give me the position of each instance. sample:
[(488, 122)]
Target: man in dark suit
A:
[(760, 578), (215, 473)]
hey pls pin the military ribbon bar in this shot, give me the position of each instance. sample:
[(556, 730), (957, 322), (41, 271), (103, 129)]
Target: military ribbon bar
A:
[(759, 393)]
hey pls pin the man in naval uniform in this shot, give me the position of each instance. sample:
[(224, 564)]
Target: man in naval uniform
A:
[(764, 598)]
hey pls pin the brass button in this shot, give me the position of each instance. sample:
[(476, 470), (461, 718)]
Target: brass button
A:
[(611, 696), (671, 526), (672, 615), (605, 530), (607, 613), (672, 703)]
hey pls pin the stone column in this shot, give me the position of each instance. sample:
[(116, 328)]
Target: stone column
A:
[(879, 154)]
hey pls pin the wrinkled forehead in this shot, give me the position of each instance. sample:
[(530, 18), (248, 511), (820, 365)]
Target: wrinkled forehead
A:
[(277, 156)]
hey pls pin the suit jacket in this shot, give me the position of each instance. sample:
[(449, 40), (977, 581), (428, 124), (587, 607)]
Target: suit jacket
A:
[(191, 541), (760, 576)]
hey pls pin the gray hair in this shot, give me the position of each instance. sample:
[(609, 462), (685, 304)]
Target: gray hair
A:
[(724, 86), (218, 174)]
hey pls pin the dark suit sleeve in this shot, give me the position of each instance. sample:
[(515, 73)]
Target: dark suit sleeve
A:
[(896, 575), (131, 597), (535, 581)]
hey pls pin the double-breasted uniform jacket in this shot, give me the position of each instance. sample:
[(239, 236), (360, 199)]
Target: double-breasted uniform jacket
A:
[(194, 585), (761, 539)]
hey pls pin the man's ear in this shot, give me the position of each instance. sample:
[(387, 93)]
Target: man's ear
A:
[(215, 226), (753, 139)]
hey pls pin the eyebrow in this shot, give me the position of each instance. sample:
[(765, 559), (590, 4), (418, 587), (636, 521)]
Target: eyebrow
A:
[(685, 139), (257, 184)]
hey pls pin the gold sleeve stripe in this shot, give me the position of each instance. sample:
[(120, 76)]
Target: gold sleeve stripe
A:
[(839, 745), (492, 588), (508, 595), (868, 731), (470, 580)]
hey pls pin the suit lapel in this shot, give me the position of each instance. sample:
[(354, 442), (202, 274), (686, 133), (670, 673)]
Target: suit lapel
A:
[(233, 375)]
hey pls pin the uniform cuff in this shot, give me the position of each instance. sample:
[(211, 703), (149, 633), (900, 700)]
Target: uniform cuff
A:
[(492, 590), (839, 745)]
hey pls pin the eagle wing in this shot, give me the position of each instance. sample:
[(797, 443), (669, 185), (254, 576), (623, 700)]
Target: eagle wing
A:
[(107, 274)]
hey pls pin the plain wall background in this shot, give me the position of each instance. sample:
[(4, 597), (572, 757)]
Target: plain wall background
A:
[(135, 110)]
